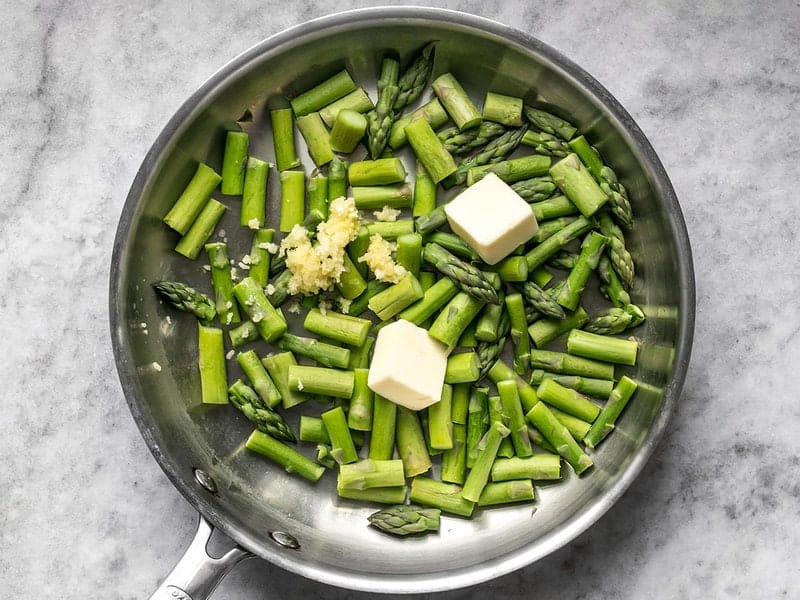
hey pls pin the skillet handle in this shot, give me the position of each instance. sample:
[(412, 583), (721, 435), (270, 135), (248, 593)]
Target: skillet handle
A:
[(197, 573)]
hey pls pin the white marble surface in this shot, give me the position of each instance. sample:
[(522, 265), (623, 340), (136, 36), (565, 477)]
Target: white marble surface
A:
[(85, 88)]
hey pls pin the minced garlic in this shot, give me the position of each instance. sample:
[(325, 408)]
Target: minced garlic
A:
[(379, 260), (318, 266), (387, 213)]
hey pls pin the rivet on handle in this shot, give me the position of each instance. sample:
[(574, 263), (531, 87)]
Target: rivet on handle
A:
[(205, 480), (284, 539)]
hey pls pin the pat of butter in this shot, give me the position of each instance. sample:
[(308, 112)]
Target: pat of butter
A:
[(407, 365), (492, 218)]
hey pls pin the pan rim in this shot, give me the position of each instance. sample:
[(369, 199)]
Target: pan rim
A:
[(463, 577)]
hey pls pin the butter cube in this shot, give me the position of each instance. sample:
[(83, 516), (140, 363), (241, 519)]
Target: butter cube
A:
[(407, 365), (492, 218)]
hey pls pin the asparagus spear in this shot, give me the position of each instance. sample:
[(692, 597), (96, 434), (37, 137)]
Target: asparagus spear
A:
[(406, 519), (503, 492), (458, 142), (591, 249), (456, 102), (503, 109), (444, 496), (211, 364), (549, 123), (535, 189), (602, 347), (326, 355), (599, 388), (468, 278), (262, 383), (289, 458), (187, 299), (282, 120), (615, 320), (495, 151), (545, 143), (243, 397), (621, 259), (414, 79), (559, 437), (488, 352), (542, 301), (222, 282), (325, 93), (604, 423), (544, 331), (193, 198), (612, 287)]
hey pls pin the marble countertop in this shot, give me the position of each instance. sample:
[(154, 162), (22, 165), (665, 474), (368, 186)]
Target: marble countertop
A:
[(86, 512)]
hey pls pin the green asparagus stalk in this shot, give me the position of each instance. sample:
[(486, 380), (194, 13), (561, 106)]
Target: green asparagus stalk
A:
[(278, 366), (289, 458), (513, 269), (512, 170), (519, 333), (615, 320), (359, 416), (602, 347), (509, 396), (377, 172), (343, 449), (544, 331), (432, 300), (337, 179), (395, 195), (317, 138), (487, 452), (462, 368), (318, 194), (357, 248), (194, 197), (415, 78), (545, 143), (549, 123), (456, 102), (440, 423), (541, 467), (500, 371), (243, 334), (559, 362), (409, 252), (563, 259), (234, 159), (597, 388), (348, 129), (292, 199), (360, 356), (391, 229), (262, 383), (433, 112), (324, 456), (591, 249), (321, 380), (384, 425), (282, 120), (270, 324), (612, 287), (243, 397), (454, 319), (395, 298), (559, 437), (505, 492), (222, 282), (351, 283), (429, 150), (259, 255), (358, 101), (188, 299), (444, 496), (577, 427), (323, 94), (503, 109), (424, 192), (324, 354), (567, 399), (495, 151), (453, 243), (605, 421), (606, 179), (360, 304), (461, 142), (406, 520), (431, 221), (254, 193), (542, 300), (497, 414), (277, 291), (553, 207), (535, 189), (543, 250), (193, 241), (468, 278), (621, 259), (379, 120), (336, 326), (454, 460), (211, 364), (312, 429), (411, 443), (577, 184), (381, 495), (477, 422)]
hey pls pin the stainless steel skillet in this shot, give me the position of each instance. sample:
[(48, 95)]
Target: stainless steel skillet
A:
[(305, 528)]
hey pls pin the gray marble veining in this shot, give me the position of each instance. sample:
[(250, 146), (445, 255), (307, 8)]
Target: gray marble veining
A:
[(85, 89)]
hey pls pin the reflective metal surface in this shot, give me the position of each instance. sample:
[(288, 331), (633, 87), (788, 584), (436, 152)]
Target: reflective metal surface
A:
[(253, 498)]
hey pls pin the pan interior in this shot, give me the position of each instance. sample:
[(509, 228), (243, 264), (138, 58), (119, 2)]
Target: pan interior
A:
[(156, 347)]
